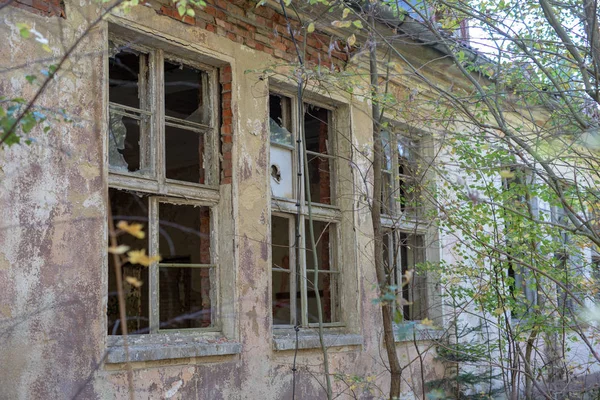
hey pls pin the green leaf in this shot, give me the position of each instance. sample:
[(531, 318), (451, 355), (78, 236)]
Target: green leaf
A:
[(190, 12), (311, 27), (345, 13), (28, 123), (30, 78), (357, 24)]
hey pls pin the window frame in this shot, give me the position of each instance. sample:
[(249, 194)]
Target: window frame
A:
[(156, 181), (397, 220), (155, 185), (393, 207), (283, 207)]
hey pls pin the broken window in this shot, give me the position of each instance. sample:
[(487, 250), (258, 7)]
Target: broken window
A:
[(162, 165), (130, 113), (184, 112), (294, 261)]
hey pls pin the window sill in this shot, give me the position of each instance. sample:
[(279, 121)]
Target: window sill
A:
[(310, 340), (410, 331), (169, 348)]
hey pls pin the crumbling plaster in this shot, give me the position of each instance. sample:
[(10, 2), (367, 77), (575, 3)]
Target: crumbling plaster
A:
[(52, 253)]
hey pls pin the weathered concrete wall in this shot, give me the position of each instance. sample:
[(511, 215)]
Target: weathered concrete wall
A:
[(53, 234)]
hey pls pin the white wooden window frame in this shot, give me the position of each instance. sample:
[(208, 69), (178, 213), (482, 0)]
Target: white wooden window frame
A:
[(154, 182), (329, 213)]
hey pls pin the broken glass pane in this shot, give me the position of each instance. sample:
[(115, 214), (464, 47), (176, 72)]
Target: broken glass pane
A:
[(184, 154), (280, 122), (186, 93), (124, 142), (185, 297)]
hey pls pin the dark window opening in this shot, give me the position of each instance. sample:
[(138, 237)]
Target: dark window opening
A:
[(281, 271), (327, 274), (131, 208), (184, 155), (186, 93), (185, 291), (316, 134)]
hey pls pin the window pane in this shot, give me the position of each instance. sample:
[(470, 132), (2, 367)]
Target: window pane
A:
[(124, 76), (131, 208), (319, 175), (184, 234), (322, 240), (281, 268), (184, 155), (408, 185), (387, 151), (280, 121), (185, 297), (414, 292), (124, 143), (329, 297), (316, 132), (387, 191), (186, 93)]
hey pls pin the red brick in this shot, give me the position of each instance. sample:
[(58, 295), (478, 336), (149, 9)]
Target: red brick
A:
[(220, 14), (227, 112), (211, 28), (279, 46), (226, 130), (264, 12), (231, 36), (224, 24), (263, 22), (226, 148), (41, 5), (210, 10), (226, 87), (226, 138), (235, 10)]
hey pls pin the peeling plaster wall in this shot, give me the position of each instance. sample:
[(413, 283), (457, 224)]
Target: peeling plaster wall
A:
[(53, 237)]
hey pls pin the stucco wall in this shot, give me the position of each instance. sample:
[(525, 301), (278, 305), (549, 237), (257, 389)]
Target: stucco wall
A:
[(53, 235)]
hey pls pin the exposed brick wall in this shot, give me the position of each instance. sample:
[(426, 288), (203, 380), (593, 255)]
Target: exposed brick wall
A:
[(226, 125), (263, 29), (49, 8)]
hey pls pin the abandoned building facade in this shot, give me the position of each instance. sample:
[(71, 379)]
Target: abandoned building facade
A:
[(189, 127)]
